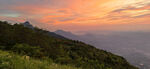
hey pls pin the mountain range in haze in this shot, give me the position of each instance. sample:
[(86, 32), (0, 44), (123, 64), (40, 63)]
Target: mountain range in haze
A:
[(134, 46)]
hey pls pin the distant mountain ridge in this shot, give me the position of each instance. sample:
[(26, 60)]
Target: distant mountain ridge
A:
[(29, 25), (67, 34), (119, 43)]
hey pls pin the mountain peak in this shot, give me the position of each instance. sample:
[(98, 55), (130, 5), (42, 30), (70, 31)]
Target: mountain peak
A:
[(27, 24), (62, 31)]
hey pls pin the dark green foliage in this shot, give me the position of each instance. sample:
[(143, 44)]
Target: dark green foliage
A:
[(39, 44), (27, 49)]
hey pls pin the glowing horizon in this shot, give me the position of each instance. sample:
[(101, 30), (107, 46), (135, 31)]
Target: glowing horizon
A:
[(80, 15)]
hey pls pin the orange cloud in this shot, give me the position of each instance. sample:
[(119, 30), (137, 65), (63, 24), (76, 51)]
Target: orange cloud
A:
[(85, 14)]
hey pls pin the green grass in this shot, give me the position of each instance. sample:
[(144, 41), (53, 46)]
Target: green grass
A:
[(14, 61)]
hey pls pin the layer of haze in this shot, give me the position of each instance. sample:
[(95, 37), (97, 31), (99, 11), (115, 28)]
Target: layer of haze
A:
[(79, 15)]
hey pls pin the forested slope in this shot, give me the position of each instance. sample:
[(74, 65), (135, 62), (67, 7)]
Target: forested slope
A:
[(39, 44)]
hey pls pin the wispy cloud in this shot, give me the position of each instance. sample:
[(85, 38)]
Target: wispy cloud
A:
[(59, 13)]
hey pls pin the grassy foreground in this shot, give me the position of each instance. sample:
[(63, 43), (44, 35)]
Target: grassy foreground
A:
[(14, 61)]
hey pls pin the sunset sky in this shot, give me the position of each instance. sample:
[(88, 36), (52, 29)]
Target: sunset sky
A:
[(79, 15)]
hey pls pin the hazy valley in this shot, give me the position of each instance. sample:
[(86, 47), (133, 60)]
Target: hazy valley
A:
[(134, 46)]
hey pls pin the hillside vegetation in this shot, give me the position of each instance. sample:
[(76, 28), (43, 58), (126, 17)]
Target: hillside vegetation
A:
[(39, 44), (9, 60)]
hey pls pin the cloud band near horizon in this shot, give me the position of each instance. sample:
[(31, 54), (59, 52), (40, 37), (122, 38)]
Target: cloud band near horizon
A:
[(84, 14)]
